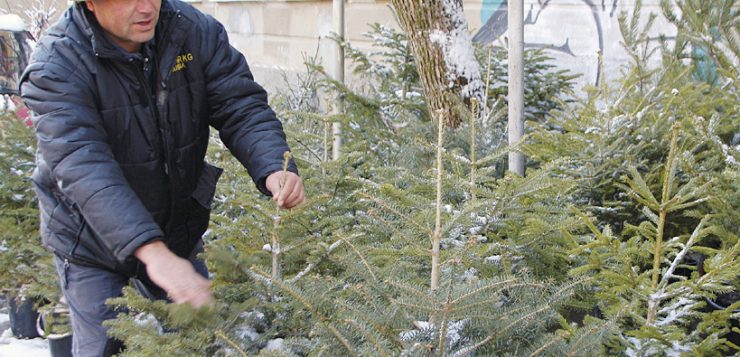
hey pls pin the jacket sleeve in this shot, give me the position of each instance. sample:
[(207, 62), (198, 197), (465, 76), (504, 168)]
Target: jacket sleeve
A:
[(73, 144), (239, 109)]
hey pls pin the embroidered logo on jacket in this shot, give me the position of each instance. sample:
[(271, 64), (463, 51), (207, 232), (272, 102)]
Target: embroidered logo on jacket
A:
[(181, 62)]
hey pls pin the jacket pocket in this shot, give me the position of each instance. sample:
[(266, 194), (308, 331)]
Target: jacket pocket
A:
[(206, 188), (184, 232), (63, 220)]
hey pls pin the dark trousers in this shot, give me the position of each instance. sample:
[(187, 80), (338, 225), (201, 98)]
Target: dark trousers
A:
[(86, 290)]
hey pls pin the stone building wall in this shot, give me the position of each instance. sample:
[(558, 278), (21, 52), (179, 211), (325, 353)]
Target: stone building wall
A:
[(277, 35)]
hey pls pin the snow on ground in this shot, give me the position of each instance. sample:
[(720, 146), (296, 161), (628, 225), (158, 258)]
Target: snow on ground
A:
[(13, 347)]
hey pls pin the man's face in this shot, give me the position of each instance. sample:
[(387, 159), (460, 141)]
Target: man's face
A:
[(129, 23)]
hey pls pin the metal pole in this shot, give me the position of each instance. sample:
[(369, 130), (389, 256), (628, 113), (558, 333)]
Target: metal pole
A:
[(338, 74), (516, 83)]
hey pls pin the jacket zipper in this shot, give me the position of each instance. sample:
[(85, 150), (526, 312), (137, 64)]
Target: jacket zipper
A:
[(163, 75), (154, 110), (72, 253)]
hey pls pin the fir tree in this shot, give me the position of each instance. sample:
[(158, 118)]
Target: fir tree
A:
[(655, 159), (26, 268)]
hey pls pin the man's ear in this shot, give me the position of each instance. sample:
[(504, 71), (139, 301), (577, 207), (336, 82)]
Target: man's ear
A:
[(90, 6)]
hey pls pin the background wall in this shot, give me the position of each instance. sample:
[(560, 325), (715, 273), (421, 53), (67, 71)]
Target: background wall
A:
[(573, 31), (276, 35)]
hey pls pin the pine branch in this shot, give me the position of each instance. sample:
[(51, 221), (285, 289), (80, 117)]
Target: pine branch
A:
[(310, 266), (698, 233), (728, 259), (393, 227), (445, 314), (379, 348), (639, 190), (389, 208), (471, 349), (324, 320), (495, 285), (470, 207), (414, 291), (576, 346), (674, 205), (557, 296), (221, 335), (417, 307), (463, 307), (362, 257), (545, 346), (668, 177)]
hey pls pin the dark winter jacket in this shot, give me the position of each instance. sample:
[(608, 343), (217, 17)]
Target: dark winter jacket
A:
[(120, 161)]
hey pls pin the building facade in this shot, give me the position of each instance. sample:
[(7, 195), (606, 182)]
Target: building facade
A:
[(277, 35)]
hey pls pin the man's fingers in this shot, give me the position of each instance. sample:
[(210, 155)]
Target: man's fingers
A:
[(289, 192), (201, 300), (180, 280), (196, 295), (295, 199), (281, 190), (292, 197), (286, 188)]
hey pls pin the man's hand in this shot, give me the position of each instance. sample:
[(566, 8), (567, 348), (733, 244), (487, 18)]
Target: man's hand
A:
[(175, 275), (291, 194)]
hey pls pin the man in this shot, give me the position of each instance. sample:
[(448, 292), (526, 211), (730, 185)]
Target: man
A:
[(124, 92)]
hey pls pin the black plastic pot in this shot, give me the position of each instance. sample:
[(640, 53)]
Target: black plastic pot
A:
[(23, 317), (59, 339), (60, 346)]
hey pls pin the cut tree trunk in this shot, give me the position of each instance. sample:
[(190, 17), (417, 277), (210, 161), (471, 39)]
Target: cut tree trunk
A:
[(439, 39)]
